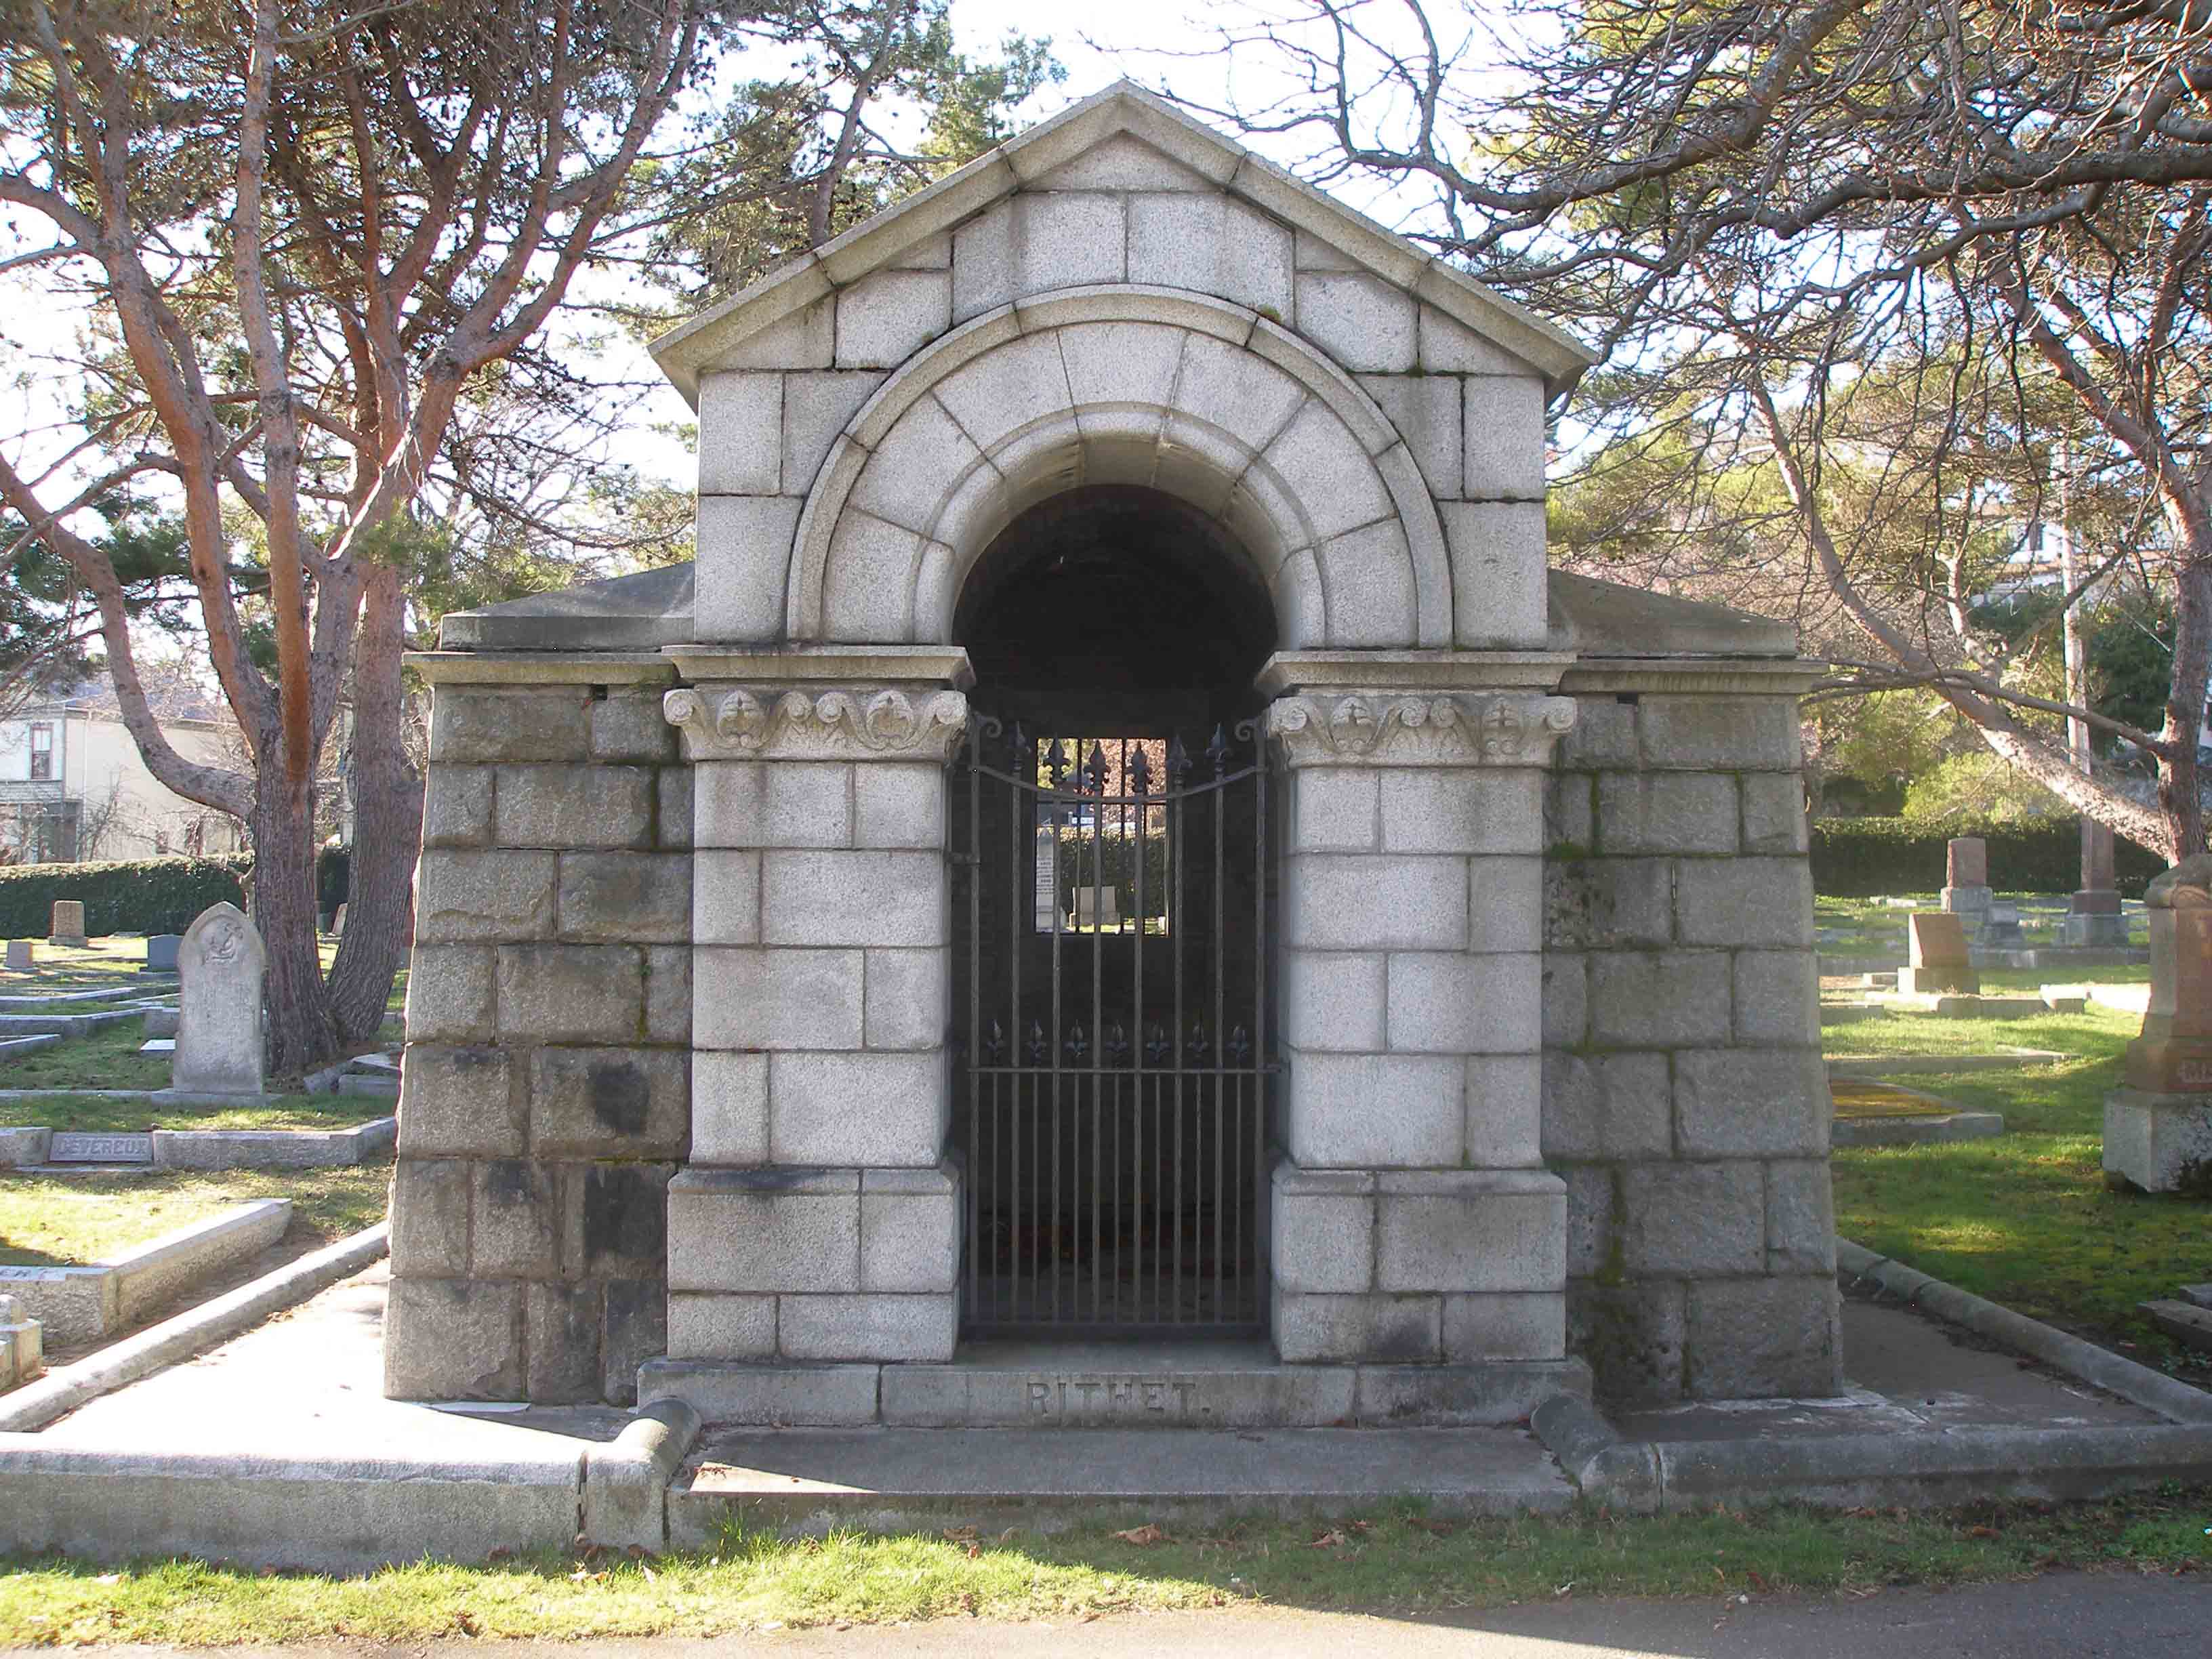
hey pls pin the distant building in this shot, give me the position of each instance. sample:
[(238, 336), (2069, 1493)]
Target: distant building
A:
[(73, 786)]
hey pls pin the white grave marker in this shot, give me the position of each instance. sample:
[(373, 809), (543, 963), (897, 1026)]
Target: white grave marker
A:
[(219, 1041)]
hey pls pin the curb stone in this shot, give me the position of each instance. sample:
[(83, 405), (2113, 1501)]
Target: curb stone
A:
[(189, 1334), (626, 1484)]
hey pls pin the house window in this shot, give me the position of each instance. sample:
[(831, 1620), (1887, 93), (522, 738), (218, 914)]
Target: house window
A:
[(42, 749)]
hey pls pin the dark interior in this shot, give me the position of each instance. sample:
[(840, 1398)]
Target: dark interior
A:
[(1114, 607)]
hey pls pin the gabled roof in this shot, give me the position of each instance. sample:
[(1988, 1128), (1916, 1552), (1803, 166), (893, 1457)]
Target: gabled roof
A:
[(1021, 161)]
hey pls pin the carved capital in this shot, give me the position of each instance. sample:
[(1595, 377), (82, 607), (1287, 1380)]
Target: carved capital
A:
[(778, 723), (1383, 728)]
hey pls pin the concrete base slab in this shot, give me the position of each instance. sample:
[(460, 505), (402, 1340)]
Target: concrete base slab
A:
[(811, 1480), (2158, 1143), (1933, 1130), (1202, 1385), (2011, 1059), (2183, 1320)]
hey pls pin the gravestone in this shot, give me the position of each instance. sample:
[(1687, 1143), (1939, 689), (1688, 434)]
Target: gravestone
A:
[(2002, 926), (1935, 954), (219, 1038), (2093, 915), (21, 959), (1098, 906), (161, 952), (338, 922), (67, 924), (1048, 881), (1966, 881), (161, 1021), (2158, 1124)]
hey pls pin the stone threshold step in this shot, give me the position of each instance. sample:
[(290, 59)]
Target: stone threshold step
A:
[(1207, 1386), (803, 1480)]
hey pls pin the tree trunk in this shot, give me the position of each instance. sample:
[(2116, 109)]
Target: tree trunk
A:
[(2180, 786), (300, 1033), (387, 821)]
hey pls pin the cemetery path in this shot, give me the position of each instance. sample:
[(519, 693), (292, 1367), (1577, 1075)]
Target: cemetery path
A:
[(2076, 1615)]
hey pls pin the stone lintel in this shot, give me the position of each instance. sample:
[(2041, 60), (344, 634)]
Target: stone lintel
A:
[(785, 722), (1704, 677), (1413, 671), (1420, 728), (910, 666), (542, 667)]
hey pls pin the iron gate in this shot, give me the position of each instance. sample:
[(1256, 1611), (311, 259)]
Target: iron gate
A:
[(1112, 901)]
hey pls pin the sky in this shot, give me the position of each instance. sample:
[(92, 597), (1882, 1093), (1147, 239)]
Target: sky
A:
[(1145, 40)]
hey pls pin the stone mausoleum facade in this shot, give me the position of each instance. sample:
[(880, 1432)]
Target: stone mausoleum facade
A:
[(1119, 835)]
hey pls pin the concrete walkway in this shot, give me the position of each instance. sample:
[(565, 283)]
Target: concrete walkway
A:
[(278, 1448)]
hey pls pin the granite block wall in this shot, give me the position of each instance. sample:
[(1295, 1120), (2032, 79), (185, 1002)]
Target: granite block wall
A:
[(546, 1088), (1684, 1101)]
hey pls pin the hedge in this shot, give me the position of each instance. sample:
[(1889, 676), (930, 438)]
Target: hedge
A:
[(1859, 858), (142, 895)]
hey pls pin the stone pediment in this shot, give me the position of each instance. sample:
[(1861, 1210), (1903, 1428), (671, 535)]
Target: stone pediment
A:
[(1122, 140)]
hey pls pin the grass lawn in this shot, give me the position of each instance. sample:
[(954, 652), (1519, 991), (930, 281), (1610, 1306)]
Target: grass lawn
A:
[(1858, 927), (63, 1110), (105, 1058), (62, 1220), (1393, 1562), (2025, 1218), (104, 961), (2099, 1033)]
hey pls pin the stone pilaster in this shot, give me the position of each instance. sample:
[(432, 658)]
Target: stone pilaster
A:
[(818, 1217), (1413, 1220), (545, 1092)]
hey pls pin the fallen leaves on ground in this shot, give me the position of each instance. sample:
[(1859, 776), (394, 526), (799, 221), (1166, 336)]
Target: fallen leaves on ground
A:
[(1144, 1536)]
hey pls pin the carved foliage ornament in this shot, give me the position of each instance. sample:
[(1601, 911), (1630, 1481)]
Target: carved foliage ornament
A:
[(741, 724), (1437, 730)]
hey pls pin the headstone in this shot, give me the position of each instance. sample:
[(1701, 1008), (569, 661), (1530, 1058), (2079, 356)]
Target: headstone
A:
[(1935, 955), (1966, 862), (2158, 1126), (21, 959), (2001, 929), (161, 952), (67, 925), (1098, 906), (337, 923), (2094, 917), (219, 1034), (1047, 880), (161, 1021), (1966, 881)]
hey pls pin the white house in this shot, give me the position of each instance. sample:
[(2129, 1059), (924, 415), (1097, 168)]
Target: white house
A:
[(73, 786)]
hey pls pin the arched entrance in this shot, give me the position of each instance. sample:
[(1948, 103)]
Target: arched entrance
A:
[(1111, 917)]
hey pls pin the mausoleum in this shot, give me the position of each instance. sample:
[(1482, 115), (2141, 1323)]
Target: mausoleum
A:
[(1119, 887)]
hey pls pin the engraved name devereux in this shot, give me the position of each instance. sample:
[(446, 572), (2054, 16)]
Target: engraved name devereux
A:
[(1109, 1395)]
